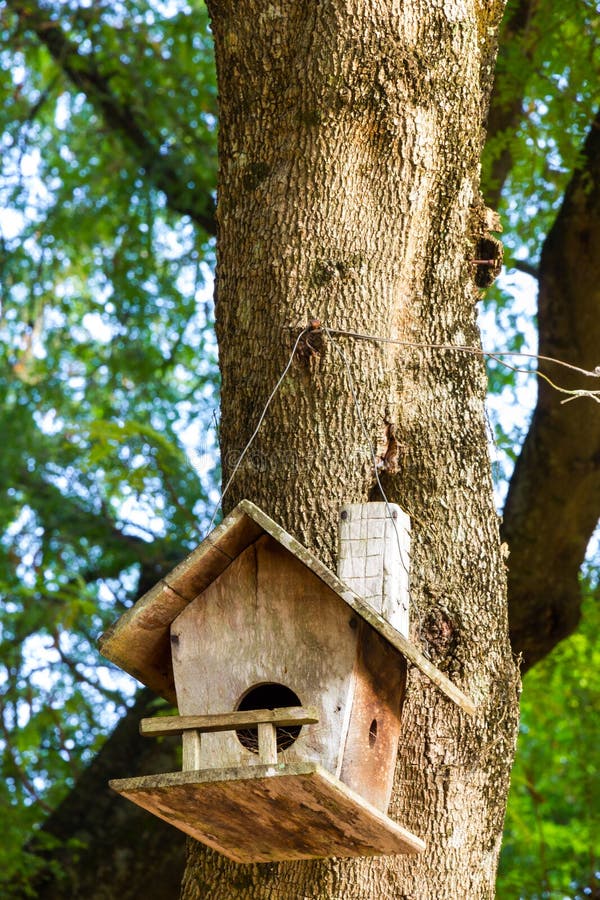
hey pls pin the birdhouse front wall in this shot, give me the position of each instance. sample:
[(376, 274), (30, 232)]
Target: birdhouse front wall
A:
[(374, 728), (267, 619)]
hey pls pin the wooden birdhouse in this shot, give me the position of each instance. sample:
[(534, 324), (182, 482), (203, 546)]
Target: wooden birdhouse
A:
[(289, 682)]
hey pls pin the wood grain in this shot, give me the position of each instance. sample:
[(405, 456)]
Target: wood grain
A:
[(270, 813), (160, 726)]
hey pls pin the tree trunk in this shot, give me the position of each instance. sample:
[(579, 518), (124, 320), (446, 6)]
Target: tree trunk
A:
[(350, 137)]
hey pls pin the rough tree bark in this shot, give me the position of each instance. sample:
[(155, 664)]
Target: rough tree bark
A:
[(350, 137)]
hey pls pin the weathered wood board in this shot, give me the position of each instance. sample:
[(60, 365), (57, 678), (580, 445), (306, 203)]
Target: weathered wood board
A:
[(368, 757), (159, 726), (270, 813)]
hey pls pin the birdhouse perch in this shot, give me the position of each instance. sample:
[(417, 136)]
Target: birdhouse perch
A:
[(289, 682)]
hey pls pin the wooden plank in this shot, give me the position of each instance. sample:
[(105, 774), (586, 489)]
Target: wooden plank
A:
[(160, 726), (267, 619), (268, 813), (139, 641), (371, 743), (193, 574), (236, 532), (267, 744), (210, 558), (192, 751)]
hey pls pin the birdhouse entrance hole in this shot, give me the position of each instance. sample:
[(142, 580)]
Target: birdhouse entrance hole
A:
[(268, 696)]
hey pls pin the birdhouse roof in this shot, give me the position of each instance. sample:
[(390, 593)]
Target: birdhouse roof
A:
[(139, 642)]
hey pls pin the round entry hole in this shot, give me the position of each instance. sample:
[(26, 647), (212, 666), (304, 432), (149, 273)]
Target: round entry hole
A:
[(269, 696), (372, 733)]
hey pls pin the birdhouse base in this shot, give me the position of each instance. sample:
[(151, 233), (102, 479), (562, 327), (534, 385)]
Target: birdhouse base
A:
[(268, 813)]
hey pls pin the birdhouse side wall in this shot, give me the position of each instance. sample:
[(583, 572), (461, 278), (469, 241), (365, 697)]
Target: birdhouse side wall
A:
[(371, 745), (266, 618)]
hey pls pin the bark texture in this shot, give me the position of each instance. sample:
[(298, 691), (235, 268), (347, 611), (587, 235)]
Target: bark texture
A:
[(349, 153)]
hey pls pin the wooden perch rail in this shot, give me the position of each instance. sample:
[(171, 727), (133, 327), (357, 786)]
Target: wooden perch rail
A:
[(265, 720), (248, 718)]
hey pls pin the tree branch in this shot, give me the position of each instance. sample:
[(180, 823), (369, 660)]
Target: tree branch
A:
[(521, 265), (553, 503), (167, 171), (506, 105)]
